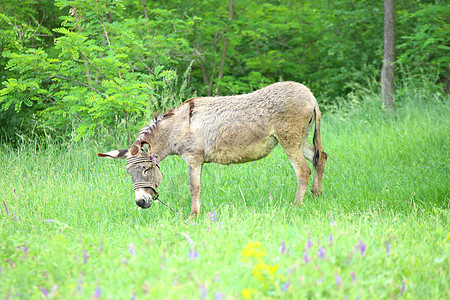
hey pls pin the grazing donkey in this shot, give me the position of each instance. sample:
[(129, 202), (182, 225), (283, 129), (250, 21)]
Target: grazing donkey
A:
[(229, 130)]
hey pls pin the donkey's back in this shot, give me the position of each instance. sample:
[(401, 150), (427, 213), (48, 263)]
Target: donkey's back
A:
[(242, 128)]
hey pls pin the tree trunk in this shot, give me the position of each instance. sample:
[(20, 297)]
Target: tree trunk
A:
[(225, 44), (144, 7), (387, 71)]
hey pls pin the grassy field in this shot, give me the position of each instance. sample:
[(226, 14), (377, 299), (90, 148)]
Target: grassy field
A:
[(69, 227)]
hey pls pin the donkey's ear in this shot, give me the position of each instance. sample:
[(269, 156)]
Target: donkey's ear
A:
[(116, 154), (145, 147), (134, 149)]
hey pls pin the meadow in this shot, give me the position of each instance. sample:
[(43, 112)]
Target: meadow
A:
[(69, 228)]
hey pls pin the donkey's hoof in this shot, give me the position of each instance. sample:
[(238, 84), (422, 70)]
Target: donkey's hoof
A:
[(193, 216), (316, 192)]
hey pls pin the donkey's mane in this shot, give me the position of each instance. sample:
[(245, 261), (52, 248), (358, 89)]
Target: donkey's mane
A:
[(147, 133)]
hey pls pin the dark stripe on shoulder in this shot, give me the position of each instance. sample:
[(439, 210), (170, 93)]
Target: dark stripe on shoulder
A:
[(191, 109)]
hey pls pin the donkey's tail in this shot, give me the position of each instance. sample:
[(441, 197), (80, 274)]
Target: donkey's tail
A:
[(317, 139)]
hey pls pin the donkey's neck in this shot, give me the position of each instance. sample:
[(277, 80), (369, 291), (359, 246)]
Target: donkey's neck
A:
[(159, 143), (167, 137)]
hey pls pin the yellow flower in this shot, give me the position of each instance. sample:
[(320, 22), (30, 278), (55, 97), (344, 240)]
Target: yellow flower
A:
[(264, 271), (248, 293), (253, 249)]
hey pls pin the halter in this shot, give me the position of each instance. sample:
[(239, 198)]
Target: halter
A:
[(138, 185), (135, 160)]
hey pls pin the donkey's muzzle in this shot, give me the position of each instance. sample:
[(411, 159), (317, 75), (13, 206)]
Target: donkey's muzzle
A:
[(144, 203), (143, 198)]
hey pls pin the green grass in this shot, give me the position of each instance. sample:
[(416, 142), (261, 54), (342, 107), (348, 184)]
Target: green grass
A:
[(72, 229)]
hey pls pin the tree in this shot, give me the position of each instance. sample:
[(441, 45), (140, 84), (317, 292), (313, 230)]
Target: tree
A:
[(225, 43), (106, 68), (387, 71)]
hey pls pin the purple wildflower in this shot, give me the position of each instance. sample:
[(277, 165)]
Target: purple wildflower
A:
[(1, 270), (175, 281), (353, 276), (403, 288), (388, 248), (338, 279), (54, 288), (305, 257), (309, 243), (188, 238), (15, 194), (283, 247), (131, 249), (44, 291), (270, 195), (97, 292), (10, 263), (45, 273), (331, 240), (49, 221), (285, 286), (133, 297), (193, 254), (213, 215), (204, 291), (6, 208), (124, 261), (16, 218), (216, 278), (79, 284), (219, 296), (85, 256), (25, 250), (321, 252), (362, 246), (100, 247)]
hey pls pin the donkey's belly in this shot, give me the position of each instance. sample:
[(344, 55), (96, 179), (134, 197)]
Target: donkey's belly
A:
[(240, 151)]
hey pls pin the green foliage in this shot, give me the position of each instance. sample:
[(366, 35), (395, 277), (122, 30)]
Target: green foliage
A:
[(426, 48), (104, 66), (106, 70)]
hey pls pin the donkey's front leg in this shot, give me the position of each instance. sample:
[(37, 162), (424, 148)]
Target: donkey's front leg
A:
[(195, 173)]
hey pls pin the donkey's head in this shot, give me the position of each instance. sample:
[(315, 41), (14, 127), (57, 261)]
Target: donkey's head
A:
[(144, 171)]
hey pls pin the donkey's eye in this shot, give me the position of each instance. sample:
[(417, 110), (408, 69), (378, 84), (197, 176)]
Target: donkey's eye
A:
[(146, 170)]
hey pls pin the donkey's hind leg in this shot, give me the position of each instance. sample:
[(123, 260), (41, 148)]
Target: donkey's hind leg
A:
[(302, 172), (293, 147)]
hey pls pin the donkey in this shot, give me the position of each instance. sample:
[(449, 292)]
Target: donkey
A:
[(229, 130)]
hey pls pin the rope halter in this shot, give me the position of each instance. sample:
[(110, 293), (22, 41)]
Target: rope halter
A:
[(138, 185)]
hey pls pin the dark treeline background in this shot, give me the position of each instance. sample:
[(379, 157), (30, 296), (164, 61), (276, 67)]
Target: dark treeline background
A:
[(80, 67)]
